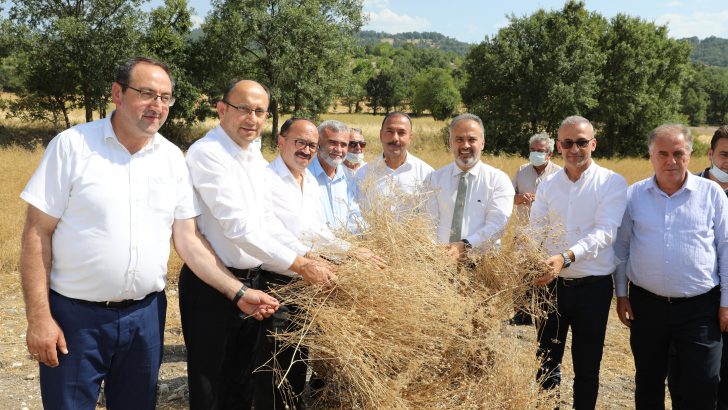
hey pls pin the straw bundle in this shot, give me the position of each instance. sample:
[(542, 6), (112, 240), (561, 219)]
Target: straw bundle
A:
[(423, 333)]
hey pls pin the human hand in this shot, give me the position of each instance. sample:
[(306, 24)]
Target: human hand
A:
[(456, 250), (257, 304), (554, 263), (723, 318), (366, 255), (624, 311), (318, 273), (43, 337)]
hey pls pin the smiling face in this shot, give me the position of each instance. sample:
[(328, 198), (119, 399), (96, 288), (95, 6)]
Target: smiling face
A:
[(295, 146), (670, 156), (333, 146), (133, 118), (576, 157), (466, 143), (396, 135), (243, 128)]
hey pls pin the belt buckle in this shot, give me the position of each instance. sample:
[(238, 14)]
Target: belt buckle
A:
[(107, 303)]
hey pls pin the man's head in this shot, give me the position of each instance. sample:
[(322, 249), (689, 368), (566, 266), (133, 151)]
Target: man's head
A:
[(541, 148), (243, 110), (333, 142), (467, 140), (395, 134), (718, 152), (576, 142), (355, 153), (670, 146), (142, 93), (297, 143)]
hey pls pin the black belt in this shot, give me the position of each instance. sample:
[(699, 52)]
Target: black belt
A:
[(569, 282), (670, 299), (244, 274), (276, 278), (122, 304)]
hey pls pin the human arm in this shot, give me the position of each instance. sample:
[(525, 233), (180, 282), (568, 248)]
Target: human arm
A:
[(497, 208), (44, 337), (197, 253)]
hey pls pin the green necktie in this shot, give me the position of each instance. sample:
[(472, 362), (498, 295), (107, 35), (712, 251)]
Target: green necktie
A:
[(457, 216)]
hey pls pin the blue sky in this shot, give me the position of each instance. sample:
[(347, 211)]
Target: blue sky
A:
[(471, 21)]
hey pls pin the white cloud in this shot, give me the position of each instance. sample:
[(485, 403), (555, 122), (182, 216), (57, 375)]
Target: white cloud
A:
[(390, 22), (698, 24), (674, 4), (196, 21), (376, 4)]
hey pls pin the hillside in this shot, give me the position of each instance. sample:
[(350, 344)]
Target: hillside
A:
[(424, 40), (712, 51)]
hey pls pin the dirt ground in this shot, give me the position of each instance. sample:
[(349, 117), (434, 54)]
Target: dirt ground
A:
[(19, 375)]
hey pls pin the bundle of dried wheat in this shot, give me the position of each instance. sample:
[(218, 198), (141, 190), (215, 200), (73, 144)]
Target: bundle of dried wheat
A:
[(423, 333)]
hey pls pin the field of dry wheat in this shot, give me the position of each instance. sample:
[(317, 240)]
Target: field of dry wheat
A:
[(18, 378)]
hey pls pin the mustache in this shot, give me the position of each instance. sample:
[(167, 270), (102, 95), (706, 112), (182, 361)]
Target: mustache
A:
[(394, 144), (302, 154)]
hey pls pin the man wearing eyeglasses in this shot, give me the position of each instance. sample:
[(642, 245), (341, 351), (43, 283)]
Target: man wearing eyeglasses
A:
[(577, 210), (237, 218), (335, 190), (398, 176), (103, 204), (355, 155)]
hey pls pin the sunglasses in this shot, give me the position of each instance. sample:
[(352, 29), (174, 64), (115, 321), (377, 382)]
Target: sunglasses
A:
[(353, 144), (567, 144)]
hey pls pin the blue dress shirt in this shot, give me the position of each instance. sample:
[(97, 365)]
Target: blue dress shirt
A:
[(337, 198)]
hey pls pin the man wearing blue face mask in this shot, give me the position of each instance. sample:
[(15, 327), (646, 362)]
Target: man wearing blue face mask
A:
[(529, 175)]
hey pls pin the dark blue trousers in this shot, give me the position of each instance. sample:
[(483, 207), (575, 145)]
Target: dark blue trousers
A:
[(121, 346), (585, 309), (692, 328)]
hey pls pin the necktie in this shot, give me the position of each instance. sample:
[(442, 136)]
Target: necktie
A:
[(457, 215)]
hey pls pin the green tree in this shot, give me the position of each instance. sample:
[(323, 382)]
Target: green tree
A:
[(694, 101), (299, 50), (435, 91), (715, 81), (385, 90)]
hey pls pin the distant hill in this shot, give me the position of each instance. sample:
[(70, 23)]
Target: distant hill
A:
[(710, 51), (424, 40)]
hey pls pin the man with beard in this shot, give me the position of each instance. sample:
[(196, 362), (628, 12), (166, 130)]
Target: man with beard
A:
[(398, 175), (355, 155), (578, 211), (335, 193), (237, 219), (471, 201)]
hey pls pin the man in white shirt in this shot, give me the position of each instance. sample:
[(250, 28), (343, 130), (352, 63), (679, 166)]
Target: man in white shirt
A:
[(228, 175), (103, 204), (471, 201), (398, 175), (334, 186), (672, 280), (355, 154), (578, 209)]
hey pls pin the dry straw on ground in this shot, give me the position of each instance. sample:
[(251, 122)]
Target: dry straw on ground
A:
[(423, 333)]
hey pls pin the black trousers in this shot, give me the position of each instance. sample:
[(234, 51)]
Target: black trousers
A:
[(220, 344), (277, 364), (691, 328), (585, 309)]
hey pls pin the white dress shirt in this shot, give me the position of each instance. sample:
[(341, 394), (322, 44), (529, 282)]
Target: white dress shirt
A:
[(677, 245), (336, 196), (299, 209), (351, 172), (488, 203), (115, 211), (376, 178), (237, 217), (582, 216), (528, 180)]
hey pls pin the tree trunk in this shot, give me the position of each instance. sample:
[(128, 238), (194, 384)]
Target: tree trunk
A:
[(88, 106), (274, 126)]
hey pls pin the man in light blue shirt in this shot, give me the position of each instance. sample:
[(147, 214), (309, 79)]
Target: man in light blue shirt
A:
[(673, 252), (335, 192)]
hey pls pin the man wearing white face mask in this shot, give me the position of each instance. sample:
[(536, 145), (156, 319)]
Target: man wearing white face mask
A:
[(529, 175), (355, 155)]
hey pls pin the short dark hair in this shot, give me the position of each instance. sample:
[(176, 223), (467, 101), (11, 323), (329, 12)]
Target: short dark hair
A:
[(396, 113), (721, 132), (232, 83), (123, 72), (289, 122)]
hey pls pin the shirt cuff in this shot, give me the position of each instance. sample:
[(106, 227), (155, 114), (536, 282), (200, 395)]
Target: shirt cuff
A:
[(579, 252)]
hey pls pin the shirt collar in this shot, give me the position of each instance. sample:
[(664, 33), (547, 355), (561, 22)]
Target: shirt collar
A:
[(109, 134), (474, 170), (232, 147), (690, 184)]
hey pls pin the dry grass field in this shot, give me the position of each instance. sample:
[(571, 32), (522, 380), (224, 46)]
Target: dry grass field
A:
[(18, 374)]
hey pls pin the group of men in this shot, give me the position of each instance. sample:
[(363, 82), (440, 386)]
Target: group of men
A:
[(108, 195)]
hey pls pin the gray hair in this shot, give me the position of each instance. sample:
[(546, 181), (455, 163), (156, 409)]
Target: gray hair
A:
[(357, 130), (576, 120), (468, 116), (670, 129), (542, 137), (333, 125)]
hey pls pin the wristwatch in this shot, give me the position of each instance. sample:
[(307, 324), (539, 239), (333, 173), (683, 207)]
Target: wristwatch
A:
[(467, 244), (567, 259)]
